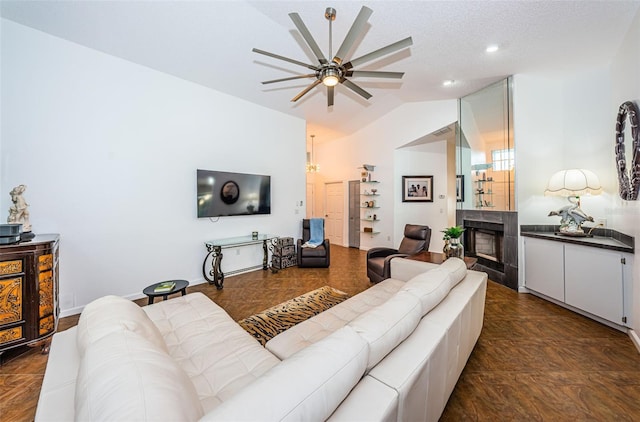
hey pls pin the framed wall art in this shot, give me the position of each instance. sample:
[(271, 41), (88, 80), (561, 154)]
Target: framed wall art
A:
[(417, 188)]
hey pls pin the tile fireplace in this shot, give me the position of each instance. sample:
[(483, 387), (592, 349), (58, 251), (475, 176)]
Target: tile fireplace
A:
[(492, 238)]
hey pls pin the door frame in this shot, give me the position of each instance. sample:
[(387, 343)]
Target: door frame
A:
[(325, 207)]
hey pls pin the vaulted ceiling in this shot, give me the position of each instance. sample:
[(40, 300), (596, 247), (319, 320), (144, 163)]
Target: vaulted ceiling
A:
[(210, 43)]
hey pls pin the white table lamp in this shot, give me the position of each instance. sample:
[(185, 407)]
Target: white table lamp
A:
[(573, 183)]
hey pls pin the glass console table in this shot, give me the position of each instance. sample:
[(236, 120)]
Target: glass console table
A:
[(215, 275)]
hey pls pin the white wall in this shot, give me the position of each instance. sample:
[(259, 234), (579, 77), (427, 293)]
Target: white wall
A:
[(109, 151), (625, 86), (560, 123), (376, 144)]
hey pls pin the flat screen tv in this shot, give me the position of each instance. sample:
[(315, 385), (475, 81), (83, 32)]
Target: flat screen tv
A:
[(222, 194)]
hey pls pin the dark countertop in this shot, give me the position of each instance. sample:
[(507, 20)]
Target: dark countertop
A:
[(602, 238)]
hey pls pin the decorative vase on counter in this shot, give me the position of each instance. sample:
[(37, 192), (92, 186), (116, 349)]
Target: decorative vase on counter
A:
[(453, 248)]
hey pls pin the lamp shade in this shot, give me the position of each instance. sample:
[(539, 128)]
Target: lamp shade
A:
[(573, 182)]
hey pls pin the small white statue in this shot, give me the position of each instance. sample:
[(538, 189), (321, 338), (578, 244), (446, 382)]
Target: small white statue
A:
[(19, 211), (571, 218)]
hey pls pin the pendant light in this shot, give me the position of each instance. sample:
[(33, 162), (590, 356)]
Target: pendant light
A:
[(311, 167)]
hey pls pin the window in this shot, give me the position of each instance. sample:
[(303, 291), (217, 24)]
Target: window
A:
[(502, 159)]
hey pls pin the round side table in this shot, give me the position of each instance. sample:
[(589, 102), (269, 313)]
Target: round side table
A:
[(181, 286)]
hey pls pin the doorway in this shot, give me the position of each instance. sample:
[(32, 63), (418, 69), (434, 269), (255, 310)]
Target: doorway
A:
[(334, 214)]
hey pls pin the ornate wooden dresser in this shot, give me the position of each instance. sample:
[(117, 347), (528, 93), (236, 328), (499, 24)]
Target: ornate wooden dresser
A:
[(29, 292)]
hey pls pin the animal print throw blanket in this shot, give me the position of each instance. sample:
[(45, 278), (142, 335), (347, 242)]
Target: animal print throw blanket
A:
[(271, 322)]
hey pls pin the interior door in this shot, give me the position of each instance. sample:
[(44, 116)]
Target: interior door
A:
[(334, 212)]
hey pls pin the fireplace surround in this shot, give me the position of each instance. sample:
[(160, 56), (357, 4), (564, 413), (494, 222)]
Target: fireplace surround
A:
[(492, 238)]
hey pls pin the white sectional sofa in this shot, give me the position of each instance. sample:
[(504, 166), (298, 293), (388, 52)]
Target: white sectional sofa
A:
[(391, 353)]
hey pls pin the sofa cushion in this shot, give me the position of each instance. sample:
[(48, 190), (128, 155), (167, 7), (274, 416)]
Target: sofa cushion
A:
[(111, 313), (218, 355), (430, 288), (457, 270), (320, 326), (319, 252), (387, 325), (125, 377), (307, 386), (405, 269)]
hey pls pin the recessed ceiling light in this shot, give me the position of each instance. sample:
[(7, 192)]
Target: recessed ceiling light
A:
[(492, 49), (448, 82)]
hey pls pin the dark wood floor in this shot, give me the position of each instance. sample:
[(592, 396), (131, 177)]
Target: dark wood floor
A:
[(534, 360)]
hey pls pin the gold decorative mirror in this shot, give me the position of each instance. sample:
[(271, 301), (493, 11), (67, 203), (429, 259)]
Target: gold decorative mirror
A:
[(628, 180)]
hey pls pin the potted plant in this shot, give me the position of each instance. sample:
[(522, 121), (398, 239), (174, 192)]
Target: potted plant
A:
[(452, 245)]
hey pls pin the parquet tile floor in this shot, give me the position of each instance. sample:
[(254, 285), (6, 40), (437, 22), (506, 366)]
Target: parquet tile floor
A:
[(534, 361)]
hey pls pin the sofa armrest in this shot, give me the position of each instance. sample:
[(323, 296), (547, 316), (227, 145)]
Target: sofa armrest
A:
[(56, 401), (380, 252), (299, 249), (327, 247), (387, 263), (404, 269)]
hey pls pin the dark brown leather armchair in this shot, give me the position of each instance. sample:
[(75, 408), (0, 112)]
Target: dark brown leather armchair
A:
[(416, 239), (318, 257)]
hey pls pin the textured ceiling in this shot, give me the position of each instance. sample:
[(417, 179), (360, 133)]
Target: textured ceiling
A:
[(210, 42)]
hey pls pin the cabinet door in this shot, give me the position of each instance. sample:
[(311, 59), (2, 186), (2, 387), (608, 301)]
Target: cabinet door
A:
[(12, 301), (594, 282), (544, 267)]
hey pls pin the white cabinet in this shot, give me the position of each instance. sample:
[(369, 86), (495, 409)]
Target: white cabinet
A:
[(586, 278), (544, 267), (594, 281)]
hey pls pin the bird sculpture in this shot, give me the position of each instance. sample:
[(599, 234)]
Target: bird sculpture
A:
[(571, 218), (563, 213)]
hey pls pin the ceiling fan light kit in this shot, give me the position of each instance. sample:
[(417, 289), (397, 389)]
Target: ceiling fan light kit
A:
[(331, 77), (333, 72)]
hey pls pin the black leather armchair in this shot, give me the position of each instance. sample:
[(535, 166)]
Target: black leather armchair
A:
[(416, 239), (318, 257)]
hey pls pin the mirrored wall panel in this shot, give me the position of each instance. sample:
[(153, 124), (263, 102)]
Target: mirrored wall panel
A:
[(485, 157)]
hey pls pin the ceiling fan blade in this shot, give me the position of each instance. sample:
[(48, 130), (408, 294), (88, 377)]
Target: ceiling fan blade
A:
[(286, 59), (311, 75), (391, 48), (304, 91), (330, 93), (353, 34), (297, 21), (374, 74), (355, 88)]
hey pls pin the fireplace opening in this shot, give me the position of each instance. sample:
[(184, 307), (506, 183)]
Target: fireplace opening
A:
[(484, 241), (492, 238)]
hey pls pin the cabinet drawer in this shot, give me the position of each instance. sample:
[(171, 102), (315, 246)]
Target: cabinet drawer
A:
[(46, 325), (11, 267), (45, 262), (11, 334)]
